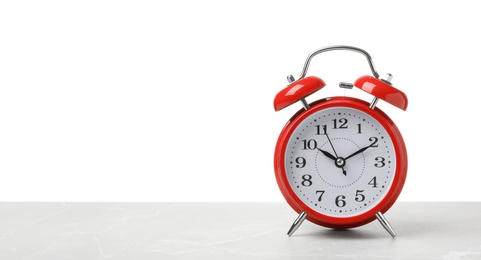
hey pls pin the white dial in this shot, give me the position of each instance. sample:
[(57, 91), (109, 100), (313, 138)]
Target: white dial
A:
[(340, 161)]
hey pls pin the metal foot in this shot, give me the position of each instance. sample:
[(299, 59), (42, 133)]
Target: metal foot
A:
[(297, 223), (385, 224)]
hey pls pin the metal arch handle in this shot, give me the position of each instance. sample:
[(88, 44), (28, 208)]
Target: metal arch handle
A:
[(334, 48)]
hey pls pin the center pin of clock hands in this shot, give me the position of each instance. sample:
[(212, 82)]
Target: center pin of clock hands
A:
[(338, 161)]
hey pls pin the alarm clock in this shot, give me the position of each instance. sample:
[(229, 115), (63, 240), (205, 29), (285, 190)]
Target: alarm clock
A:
[(340, 162)]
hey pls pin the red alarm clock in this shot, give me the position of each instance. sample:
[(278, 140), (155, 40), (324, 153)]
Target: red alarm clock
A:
[(340, 162)]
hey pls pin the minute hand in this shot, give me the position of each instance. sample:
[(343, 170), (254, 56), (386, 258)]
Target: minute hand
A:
[(360, 151)]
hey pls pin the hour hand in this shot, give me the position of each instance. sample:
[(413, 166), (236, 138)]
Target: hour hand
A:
[(339, 162), (327, 154)]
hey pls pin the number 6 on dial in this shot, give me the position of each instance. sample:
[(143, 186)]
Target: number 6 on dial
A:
[(340, 162)]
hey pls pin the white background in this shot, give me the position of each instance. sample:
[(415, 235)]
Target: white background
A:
[(173, 100)]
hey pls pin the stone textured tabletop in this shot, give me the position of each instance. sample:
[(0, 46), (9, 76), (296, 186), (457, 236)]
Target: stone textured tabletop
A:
[(230, 231)]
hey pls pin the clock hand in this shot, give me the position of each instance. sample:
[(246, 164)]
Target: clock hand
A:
[(362, 150), (339, 162), (330, 156), (332, 146), (357, 152)]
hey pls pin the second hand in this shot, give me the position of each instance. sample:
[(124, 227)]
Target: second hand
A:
[(332, 146)]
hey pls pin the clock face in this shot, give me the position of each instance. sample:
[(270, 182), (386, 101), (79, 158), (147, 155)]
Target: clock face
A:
[(340, 161)]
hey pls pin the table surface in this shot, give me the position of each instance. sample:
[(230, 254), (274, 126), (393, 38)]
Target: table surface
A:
[(230, 231)]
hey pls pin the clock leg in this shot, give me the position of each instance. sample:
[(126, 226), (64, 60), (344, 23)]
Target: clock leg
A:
[(385, 224), (297, 223)]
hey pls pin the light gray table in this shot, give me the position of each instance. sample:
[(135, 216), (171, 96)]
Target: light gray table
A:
[(229, 231)]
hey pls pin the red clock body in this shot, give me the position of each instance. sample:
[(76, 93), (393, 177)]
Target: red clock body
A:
[(340, 162)]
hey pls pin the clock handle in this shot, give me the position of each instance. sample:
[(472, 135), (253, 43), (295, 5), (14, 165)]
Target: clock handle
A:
[(334, 48)]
